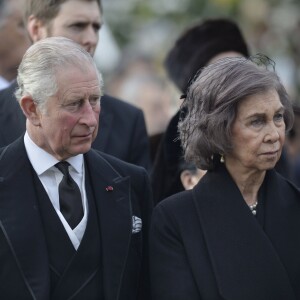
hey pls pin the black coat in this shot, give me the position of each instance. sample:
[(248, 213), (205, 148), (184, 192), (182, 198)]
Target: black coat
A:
[(122, 130), (206, 243), (24, 261)]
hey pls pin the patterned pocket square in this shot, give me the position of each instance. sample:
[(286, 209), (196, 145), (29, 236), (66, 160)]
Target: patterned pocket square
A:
[(136, 224)]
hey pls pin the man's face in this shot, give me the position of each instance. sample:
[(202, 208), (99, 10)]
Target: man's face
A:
[(79, 21), (69, 124), (14, 41)]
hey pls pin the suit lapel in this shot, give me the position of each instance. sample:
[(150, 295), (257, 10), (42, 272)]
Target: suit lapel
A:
[(112, 193), (244, 261), (20, 219)]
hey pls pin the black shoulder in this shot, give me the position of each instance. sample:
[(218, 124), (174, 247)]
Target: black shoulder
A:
[(122, 167), (113, 104), (177, 201), (9, 92)]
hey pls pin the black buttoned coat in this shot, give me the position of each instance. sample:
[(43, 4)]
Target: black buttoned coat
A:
[(205, 244)]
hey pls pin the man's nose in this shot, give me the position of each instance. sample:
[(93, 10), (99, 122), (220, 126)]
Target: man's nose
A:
[(90, 114), (90, 39)]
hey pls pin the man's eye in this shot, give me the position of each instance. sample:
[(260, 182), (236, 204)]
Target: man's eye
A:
[(94, 101), (73, 105), (78, 26), (96, 27), (76, 103)]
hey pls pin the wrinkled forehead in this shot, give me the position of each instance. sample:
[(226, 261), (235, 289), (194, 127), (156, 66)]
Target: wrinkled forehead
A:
[(74, 77), (60, 2), (48, 10)]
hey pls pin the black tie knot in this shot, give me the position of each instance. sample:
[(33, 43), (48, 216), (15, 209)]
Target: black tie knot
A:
[(63, 166)]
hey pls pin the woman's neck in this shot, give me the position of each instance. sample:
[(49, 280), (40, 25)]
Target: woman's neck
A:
[(248, 182)]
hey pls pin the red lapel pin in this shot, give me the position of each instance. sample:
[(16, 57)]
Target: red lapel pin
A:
[(109, 188)]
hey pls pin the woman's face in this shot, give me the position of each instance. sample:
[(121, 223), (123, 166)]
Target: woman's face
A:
[(258, 133)]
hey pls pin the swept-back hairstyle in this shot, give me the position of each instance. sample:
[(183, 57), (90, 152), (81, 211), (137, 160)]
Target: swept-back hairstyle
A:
[(212, 101), (41, 63), (47, 10)]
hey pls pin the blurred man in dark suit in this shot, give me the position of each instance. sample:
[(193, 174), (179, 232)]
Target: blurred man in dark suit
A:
[(14, 40), (122, 130)]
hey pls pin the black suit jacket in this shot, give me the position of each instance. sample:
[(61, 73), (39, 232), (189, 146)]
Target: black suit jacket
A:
[(122, 130), (24, 271), (206, 244)]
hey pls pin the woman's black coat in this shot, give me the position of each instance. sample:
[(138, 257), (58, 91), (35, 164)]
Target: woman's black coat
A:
[(206, 243)]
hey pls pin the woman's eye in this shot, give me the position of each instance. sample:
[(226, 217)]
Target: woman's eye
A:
[(256, 122), (278, 117)]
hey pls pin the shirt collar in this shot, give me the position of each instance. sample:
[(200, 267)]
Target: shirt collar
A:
[(41, 160), (3, 83)]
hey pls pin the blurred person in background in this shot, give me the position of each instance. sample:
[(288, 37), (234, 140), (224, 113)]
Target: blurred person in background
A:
[(14, 40), (196, 47), (138, 80), (189, 174), (293, 146), (151, 93), (235, 235), (122, 130)]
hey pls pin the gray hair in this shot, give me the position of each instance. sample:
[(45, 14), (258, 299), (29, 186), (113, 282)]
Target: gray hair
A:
[(211, 105), (43, 60)]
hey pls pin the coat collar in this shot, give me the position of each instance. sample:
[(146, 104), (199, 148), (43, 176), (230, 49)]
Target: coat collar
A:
[(244, 260), (113, 194)]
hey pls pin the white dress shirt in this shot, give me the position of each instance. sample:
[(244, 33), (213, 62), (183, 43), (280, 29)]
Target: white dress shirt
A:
[(44, 165), (3, 83)]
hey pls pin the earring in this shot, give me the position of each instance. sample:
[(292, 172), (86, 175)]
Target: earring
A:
[(222, 159)]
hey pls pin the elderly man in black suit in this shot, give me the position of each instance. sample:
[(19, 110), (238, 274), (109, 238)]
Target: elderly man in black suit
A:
[(122, 130), (73, 220)]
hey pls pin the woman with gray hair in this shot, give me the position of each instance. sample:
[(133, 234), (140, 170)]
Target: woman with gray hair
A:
[(235, 235)]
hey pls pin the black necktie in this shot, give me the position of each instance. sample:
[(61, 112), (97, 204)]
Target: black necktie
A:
[(69, 196)]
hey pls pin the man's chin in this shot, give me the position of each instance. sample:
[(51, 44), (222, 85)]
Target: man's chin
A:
[(81, 149)]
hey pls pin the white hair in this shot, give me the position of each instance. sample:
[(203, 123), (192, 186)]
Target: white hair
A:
[(43, 60)]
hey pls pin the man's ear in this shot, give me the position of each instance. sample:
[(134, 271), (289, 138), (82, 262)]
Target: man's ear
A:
[(36, 28), (190, 178), (30, 110), (187, 179)]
